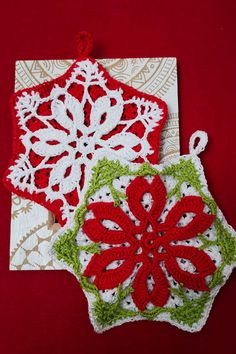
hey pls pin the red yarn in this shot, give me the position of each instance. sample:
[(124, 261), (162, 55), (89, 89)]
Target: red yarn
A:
[(156, 245), (84, 44), (34, 124)]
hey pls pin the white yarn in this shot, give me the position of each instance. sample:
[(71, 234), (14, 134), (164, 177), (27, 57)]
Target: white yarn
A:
[(148, 113), (196, 147), (214, 253)]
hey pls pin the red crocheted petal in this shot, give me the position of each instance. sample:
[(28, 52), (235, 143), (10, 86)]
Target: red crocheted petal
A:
[(160, 292), (135, 191), (98, 233), (110, 278), (107, 211), (200, 223), (201, 261)]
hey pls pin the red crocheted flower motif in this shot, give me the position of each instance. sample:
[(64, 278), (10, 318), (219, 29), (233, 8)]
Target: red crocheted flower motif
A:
[(134, 244), (64, 124)]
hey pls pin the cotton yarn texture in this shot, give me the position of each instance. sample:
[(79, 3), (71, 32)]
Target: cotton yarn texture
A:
[(145, 241), (63, 124), (149, 242)]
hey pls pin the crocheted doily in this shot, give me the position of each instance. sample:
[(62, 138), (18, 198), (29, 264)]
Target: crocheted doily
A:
[(62, 125), (149, 242)]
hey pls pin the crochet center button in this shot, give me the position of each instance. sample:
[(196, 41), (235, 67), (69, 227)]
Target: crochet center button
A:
[(153, 247), (151, 242), (85, 145)]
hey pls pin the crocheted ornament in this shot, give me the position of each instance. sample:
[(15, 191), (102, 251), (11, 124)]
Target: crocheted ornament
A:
[(63, 124), (149, 242)]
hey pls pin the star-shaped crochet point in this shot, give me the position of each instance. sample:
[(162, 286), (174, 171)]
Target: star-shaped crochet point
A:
[(148, 243), (64, 125)]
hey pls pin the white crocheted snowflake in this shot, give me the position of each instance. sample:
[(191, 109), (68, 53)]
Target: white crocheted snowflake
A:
[(68, 123)]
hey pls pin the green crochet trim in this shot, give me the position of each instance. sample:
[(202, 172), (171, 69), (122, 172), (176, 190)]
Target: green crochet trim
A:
[(67, 250)]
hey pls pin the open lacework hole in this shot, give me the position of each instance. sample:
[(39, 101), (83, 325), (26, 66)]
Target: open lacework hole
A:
[(147, 201), (185, 219), (53, 224), (196, 142), (186, 265), (114, 265), (150, 283), (110, 225)]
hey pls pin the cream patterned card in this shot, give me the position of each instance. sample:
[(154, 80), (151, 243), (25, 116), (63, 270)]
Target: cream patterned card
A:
[(32, 226)]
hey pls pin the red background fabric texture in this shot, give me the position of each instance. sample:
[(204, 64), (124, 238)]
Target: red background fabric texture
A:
[(45, 311)]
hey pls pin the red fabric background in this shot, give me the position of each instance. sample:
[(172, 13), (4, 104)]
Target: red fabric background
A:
[(45, 312)]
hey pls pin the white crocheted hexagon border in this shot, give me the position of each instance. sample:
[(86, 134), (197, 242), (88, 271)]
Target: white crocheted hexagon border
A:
[(194, 151)]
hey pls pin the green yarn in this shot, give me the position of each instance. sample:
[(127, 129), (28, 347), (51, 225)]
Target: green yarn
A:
[(145, 170), (227, 243), (180, 293), (153, 313), (89, 287), (191, 311), (184, 171), (91, 248), (205, 242), (116, 195), (217, 278), (107, 313), (79, 216), (188, 313), (66, 248), (209, 202), (104, 174)]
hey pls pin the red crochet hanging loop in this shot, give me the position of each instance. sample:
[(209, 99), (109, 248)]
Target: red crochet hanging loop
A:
[(84, 43)]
